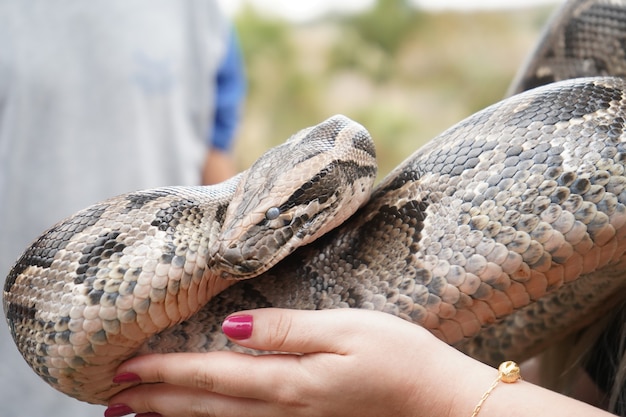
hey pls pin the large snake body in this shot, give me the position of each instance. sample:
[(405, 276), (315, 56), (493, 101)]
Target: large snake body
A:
[(501, 235)]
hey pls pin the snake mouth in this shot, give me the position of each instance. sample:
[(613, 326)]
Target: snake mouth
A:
[(231, 263), (242, 271)]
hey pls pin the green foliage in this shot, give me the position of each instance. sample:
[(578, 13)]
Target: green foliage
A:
[(263, 42), (353, 53), (371, 40), (386, 25), (406, 75)]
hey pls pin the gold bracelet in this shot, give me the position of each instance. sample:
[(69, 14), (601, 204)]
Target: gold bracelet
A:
[(508, 372)]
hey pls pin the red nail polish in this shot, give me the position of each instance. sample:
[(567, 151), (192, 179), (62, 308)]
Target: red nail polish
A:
[(238, 327), (126, 378), (118, 410)]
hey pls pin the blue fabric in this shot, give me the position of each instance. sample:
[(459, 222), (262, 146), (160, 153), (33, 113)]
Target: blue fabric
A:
[(230, 89)]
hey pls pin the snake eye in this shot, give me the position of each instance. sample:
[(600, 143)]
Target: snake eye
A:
[(272, 213)]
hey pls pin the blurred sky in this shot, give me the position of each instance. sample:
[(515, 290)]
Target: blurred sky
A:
[(301, 11)]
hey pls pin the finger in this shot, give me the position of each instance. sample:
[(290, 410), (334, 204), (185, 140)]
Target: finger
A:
[(297, 331), (174, 401), (267, 377)]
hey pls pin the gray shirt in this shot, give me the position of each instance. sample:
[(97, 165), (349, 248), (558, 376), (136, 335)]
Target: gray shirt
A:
[(97, 98)]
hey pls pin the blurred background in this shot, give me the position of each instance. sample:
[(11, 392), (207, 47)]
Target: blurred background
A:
[(406, 70)]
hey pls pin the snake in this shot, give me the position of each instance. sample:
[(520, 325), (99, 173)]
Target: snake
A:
[(501, 235)]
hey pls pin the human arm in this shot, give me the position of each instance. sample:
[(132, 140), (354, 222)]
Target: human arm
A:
[(230, 88), (218, 166), (353, 363)]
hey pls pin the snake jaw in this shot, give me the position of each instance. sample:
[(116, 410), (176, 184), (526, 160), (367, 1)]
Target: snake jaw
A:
[(252, 251), (228, 262)]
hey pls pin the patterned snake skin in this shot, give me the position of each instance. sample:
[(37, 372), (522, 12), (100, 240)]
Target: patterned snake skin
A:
[(501, 235)]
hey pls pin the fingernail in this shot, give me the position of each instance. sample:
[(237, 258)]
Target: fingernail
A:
[(125, 378), (238, 327), (118, 410)]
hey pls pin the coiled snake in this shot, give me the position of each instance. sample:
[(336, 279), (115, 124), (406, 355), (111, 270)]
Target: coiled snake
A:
[(501, 235)]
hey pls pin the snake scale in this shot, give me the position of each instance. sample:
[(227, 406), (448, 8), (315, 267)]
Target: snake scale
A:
[(501, 235)]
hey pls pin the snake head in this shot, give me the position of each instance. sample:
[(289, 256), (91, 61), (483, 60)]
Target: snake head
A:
[(294, 194)]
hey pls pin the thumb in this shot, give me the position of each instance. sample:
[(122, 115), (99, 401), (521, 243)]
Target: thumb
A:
[(298, 331)]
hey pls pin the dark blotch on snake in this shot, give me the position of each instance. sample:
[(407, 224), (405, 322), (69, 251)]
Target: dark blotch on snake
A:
[(135, 201), (362, 142), (18, 313), (42, 252), (103, 248), (316, 189), (406, 176), (172, 216)]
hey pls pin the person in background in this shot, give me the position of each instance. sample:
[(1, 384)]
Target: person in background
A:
[(97, 99)]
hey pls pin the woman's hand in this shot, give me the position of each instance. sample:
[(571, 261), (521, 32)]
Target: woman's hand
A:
[(343, 362), (337, 363)]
